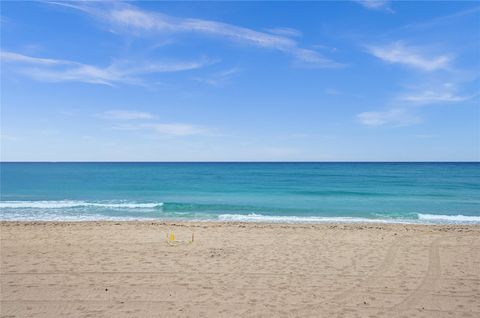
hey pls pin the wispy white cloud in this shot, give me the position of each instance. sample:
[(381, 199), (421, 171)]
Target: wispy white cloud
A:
[(127, 18), (399, 52), (325, 47), (394, 117), (19, 58), (443, 19), (405, 113), (429, 88), (375, 4), (310, 58), (219, 78), (285, 32), (166, 129), (132, 120), (125, 115), (426, 97), (130, 72)]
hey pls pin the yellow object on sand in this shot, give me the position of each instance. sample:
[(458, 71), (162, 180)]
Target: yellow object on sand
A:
[(171, 239)]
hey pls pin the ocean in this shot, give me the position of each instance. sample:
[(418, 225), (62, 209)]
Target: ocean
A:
[(250, 192)]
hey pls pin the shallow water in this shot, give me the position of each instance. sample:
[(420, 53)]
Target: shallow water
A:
[(269, 192)]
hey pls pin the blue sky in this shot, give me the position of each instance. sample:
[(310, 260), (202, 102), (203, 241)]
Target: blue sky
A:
[(240, 81)]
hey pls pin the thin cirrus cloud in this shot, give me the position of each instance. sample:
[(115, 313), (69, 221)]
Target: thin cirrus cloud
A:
[(393, 117), (432, 96), (421, 94), (285, 31), (400, 53), (125, 115), (405, 115), (124, 17), (166, 129), (124, 71), (132, 120), (219, 78), (15, 57), (375, 5), (434, 22)]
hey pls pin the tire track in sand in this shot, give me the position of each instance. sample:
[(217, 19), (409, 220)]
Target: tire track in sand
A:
[(386, 264), (388, 260), (427, 284)]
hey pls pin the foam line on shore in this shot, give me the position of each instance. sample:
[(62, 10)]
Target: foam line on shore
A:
[(449, 218), (300, 219), (73, 204)]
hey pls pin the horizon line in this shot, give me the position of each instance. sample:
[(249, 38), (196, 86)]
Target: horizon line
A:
[(250, 161)]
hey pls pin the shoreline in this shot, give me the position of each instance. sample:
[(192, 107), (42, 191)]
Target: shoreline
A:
[(197, 222)]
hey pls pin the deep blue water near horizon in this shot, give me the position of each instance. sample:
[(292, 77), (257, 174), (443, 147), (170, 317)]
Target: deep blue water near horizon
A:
[(253, 191)]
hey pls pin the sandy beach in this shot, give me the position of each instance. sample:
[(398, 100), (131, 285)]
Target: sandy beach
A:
[(127, 269)]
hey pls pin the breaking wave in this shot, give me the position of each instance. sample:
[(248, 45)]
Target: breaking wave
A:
[(449, 218), (74, 204), (299, 219), (420, 218)]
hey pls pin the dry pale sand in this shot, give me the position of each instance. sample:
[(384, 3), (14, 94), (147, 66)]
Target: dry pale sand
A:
[(107, 269)]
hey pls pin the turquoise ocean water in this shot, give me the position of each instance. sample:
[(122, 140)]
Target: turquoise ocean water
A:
[(269, 192)]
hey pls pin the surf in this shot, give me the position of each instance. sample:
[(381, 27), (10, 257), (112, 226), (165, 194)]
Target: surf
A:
[(62, 204)]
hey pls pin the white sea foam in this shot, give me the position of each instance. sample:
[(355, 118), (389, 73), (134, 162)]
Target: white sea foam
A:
[(449, 218), (68, 218), (74, 204), (422, 218), (300, 219), (52, 210)]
